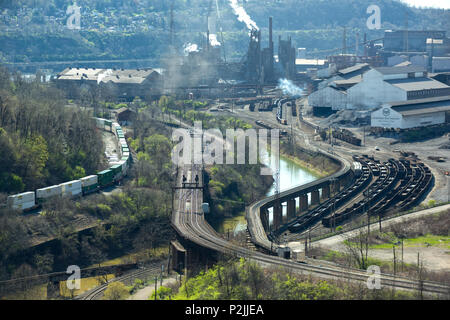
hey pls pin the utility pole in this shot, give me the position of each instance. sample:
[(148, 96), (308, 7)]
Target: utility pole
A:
[(171, 25), (402, 253), (156, 284), (344, 42)]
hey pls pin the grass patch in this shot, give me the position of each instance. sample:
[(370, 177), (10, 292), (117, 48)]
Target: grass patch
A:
[(86, 284)]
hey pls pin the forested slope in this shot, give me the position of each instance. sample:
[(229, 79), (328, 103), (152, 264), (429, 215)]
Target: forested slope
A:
[(42, 143), (129, 29)]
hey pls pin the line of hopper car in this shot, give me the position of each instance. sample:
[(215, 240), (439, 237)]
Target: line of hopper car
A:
[(32, 200), (400, 185), (279, 103), (269, 127), (344, 135), (363, 177), (397, 185)]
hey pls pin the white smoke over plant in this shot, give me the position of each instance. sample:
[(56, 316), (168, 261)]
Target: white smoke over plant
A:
[(190, 47), (103, 75), (212, 21), (213, 40), (242, 15), (289, 88)]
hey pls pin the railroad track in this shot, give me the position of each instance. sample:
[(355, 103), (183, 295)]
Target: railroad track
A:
[(97, 292), (190, 223)]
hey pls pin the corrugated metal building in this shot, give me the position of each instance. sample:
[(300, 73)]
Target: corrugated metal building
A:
[(411, 114), (119, 83), (378, 86)]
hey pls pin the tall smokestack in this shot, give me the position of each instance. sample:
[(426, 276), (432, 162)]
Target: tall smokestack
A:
[(365, 44), (357, 45), (270, 37)]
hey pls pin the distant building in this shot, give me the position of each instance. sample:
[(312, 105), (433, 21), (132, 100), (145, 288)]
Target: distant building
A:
[(125, 116), (409, 40), (411, 114), (346, 74), (374, 87), (122, 84), (440, 64), (383, 85), (302, 65), (443, 77)]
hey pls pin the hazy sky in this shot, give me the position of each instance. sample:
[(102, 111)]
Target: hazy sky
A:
[(445, 4)]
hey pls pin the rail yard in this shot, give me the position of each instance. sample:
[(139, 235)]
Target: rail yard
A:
[(127, 155)]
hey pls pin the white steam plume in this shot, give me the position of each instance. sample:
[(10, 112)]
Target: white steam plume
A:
[(213, 40), (289, 88), (104, 74), (242, 15), (190, 47)]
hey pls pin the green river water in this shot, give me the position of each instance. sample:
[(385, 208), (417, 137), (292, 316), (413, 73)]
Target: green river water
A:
[(291, 175)]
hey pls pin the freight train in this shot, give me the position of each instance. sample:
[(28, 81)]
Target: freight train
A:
[(344, 135), (77, 188), (400, 185), (279, 103), (260, 123)]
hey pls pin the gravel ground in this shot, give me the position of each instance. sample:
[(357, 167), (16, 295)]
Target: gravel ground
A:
[(434, 258)]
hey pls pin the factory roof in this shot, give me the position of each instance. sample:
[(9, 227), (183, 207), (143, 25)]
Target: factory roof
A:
[(132, 76), (356, 67), (403, 64), (312, 62), (416, 84), (421, 106), (400, 70), (348, 82)]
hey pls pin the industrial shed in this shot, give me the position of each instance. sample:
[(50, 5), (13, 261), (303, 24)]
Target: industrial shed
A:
[(123, 84), (387, 84), (411, 114)]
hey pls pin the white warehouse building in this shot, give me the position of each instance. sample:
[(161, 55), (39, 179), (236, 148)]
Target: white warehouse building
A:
[(411, 114), (378, 86)]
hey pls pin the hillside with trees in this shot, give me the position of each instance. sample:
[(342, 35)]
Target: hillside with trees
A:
[(36, 30), (42, 142)]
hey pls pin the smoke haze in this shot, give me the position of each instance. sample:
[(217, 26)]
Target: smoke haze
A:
[(289, 88), (242, 15)]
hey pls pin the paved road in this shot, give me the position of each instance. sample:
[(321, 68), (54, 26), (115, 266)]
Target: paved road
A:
[(145, 293)]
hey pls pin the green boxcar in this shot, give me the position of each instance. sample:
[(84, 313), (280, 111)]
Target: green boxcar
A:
[(90, 188), (116, 169), (105, 178), (125, 150), (108, 124), (121, 136)]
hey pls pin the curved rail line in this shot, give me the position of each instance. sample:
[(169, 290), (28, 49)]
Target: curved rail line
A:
[(97, 292), (189, 222)]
